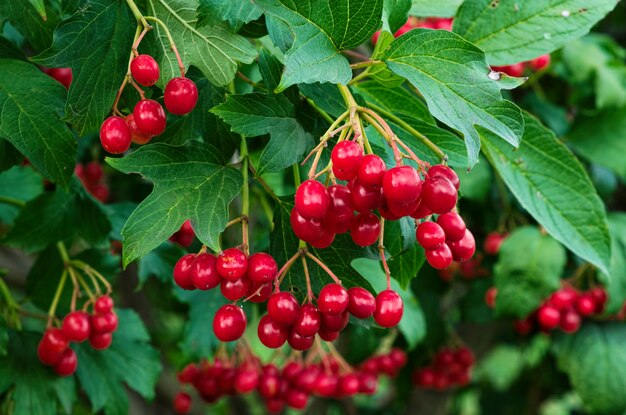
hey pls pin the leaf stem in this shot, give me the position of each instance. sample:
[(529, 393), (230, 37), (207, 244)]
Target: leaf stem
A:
[(324, 267), (245, 202), (323, 113), (381, 252), (360, 76), (283, 271), (137, 13), (309, 291), (365, 64), (57, 297), (171, 40), (12, 201), (63, 253)]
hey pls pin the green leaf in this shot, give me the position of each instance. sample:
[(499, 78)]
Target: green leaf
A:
[(550, 183), (405, 257), (594, 358), (58, 215), (236, 12), (326, 96), (321, 29), (453, 77), (212, 49), (510, 32), (160, 263), (441, 8), (525, 281), (395, 14), (9, 156), (95, 42), (615, 280), (501, 367), (198, 340), (476, 184), (591, 136), (190, 182), (270, 68), (32, 103), (398, 100), (4, 338), (130, 360), (21, 184), (25, 18)]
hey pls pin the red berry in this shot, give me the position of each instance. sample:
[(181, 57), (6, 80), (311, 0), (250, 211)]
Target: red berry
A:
[(349, 384), (585, 305), (188, 374), (336, 322), (270, 333), (47, 354), (365, 199), (340, 210), (103, 304), (398, 357), (283, 308), (570, 321), (439, 194), (275, 405), (100, 341), (234, 290), (464, 357), (232, 264), (298, 342), (328, 335), (54, 340), (548, 317), (401, 185), (362, 303), (93, 172), (229, 323), (296, 399), (516, 69), (540, 63), (430, 235), (403, 209), (564, 298), (424, 378), (439, 170), (115, 135), (183, 271), (326, 385), (325, 240), (312, 199), (453, 226), (204, 275), (371, 171), (145, 70), (346, 157), (524, 327), (149, 117), (180, 96), (104, 323), (422, 211), (332, 299), (389, 308), (464, 248), (262, 267), (600, 297), (308, 322), (365, 229), (182, 403), (490, 297), (76, 326), (269, 385), (259, 293), (493, 242), (61, 75), (246, 381), (440, 257), (368, 383), (305, 229), (68, 363), (136, 135), (385, 212)]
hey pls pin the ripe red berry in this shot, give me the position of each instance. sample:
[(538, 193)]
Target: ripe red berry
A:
[(540, 62), (145, 70), (229, 323), (283, 308), (365, 229), (305, 229), (76, 326), (585, 305), (149, 117), (93, 172), (136, 135), (66, 366), (262, 267), (234, 290), (424, 378), (346, 157), (563, 298), (464, 357), (246, 381), (439, 194), (182, 403), (183, 271), (440, 257), (464, 248), (298, 342), (403, 209), (308, 322), (312, 199), (325, 240), (104, 323), (389, 308), (103, 304), (61, 75), (332, 299), (48, 351), (335, 322), (204, 275), (54, 340), (100, 341), (259, 293), (422, 211), (401, 185), (439, 170), (115, 135), (349, 384), (180, 96), (516, 69), (326, 385), (570, 321), (493, 242), (600, 297), (364, 198), (232, 264), (328, 335), (296, 399), (490, 297), (385, 212), (270, 333), (548, 317), (430, 235), (453, 226), (362, 303), (371, 171), (340, 210)]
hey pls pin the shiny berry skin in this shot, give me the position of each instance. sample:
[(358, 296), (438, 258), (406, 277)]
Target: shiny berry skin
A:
[(180, 96), (361, 303), (600, 297), (368, 383), (305, 229), (271, 334), (563, 298), (149, 117), (464, 248), (439, 195), (490, 297), (585, 305), (340, 210), (540, 62), (259, 293), (548, 317), (404, 209), (328, 335), (144, 70), (104, 323), (365, 199), (54, 340), (570, 321), (385, 212), (325, 240), (115, 135), (296, 399), (312, 199), (346, 157), (308, 322), (349, 384), (439, 170), (246, 381), (103, 304), (453, 226), (371, 171), (61, 75), (422, 211), (398, 357), (229, 323), (517, 69), (336, 322), (76, 326), (389, 309), (493, 242), (182, 403), (333, 299), (234, 290), (66, 366), (204, 275), (298, 342), (183, 271), (326, 385), (440, 257), (365, 229), (283, 308), (430, 235), (262, 267), (136, 135), (401, 185), (232, 264), (100, 341)]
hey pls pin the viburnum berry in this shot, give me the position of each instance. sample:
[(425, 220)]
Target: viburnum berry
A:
[(453, 226), (570, 321), (401, 185), (346, 158), (76, 326), (145, 70), (335, 322), (493, 242), (61, 75), (403, 209), (229, 323), (600, 297), (103, 304), (104, 323), (365, 229), (585, 305), (272, 334), (539, 63), (182, 403), (52, 346), (204, 275), (563, 298), (326, 385), (305, 229), (283, 308), (439, 170), (548, 317), (430, 235), (234, 290), (371, 171), (298, 342), (246, 381), (136, 135), (100, 341), (389, 309), (340, 210), (93, 172), (149, 117), (490, 297), (349, 384), (464, 248), (333, 299), (312, 199), (422, 211), (232, 264), (66, 366), (115, 136), (439, 195), (361, 303), (440, 257), (180, 96), (364, 199), (259, 292), (328, 335), (516, 70), (183, 272), (262, 267), (296, 399), (325, 240), (308, 322)]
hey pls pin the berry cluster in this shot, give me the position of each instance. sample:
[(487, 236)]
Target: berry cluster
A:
[(449, 368), (415, 22), (467, 270), (62, 75), (78, 326), (184, 236), (518, 69), (91, 176), (148, 117)]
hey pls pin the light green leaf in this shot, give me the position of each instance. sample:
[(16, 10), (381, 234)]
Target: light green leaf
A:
[(212, 49), (20, 183), (550, 183), (510, 31), (32, 107), (501, 367), (236, 12), (321, 29), (440, 8), (615, 280), (453, 77), (190, 182)]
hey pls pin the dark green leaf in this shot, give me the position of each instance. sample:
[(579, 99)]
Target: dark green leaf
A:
[(24, 17), (553, 187), (9, 50), (440, 8), (399, 101), (118, 215), (326, 96), (395, 14), (199, 341), (405, 257), (270, 68), (95, 42), (21, 184), (9, 156), (236, 12), (43, 278), (615, 280), (190, 182), (501, 367), (4, 338), (160, 263)]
